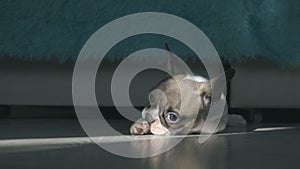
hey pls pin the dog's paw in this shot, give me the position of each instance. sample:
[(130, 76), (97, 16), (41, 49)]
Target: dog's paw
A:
[(140, 128)]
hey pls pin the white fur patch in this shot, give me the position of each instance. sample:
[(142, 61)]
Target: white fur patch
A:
[(157, 128), (195, 78)]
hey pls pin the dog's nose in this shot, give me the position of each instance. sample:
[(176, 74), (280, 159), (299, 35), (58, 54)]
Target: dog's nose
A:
[(149, 118)]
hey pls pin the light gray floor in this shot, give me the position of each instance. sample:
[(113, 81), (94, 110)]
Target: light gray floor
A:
[(61, 143)]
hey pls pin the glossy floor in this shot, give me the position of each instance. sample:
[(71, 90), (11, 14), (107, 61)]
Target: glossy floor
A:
[(61, 143)]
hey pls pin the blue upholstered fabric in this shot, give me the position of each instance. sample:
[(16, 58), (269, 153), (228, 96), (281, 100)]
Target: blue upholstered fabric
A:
[(239, 29)]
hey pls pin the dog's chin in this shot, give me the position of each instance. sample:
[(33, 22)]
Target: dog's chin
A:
[(157, 128)]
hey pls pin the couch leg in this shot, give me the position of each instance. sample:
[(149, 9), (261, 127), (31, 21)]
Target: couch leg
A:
[(255, 116)]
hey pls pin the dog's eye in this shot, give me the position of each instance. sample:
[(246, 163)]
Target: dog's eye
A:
[(171, 116)]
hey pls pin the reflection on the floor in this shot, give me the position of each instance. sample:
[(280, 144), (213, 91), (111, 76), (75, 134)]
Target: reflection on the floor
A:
[(190, 154)]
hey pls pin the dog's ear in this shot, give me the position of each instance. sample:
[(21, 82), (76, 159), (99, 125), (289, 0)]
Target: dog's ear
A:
[(215, 84), (216, 81), (170, 64), (173, 64)]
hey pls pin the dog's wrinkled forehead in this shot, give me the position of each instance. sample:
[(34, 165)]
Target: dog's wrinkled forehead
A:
[(169, 91)]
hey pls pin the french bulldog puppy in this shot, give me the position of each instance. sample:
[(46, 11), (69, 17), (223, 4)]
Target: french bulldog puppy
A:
[(180, 105), (164, 115)]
